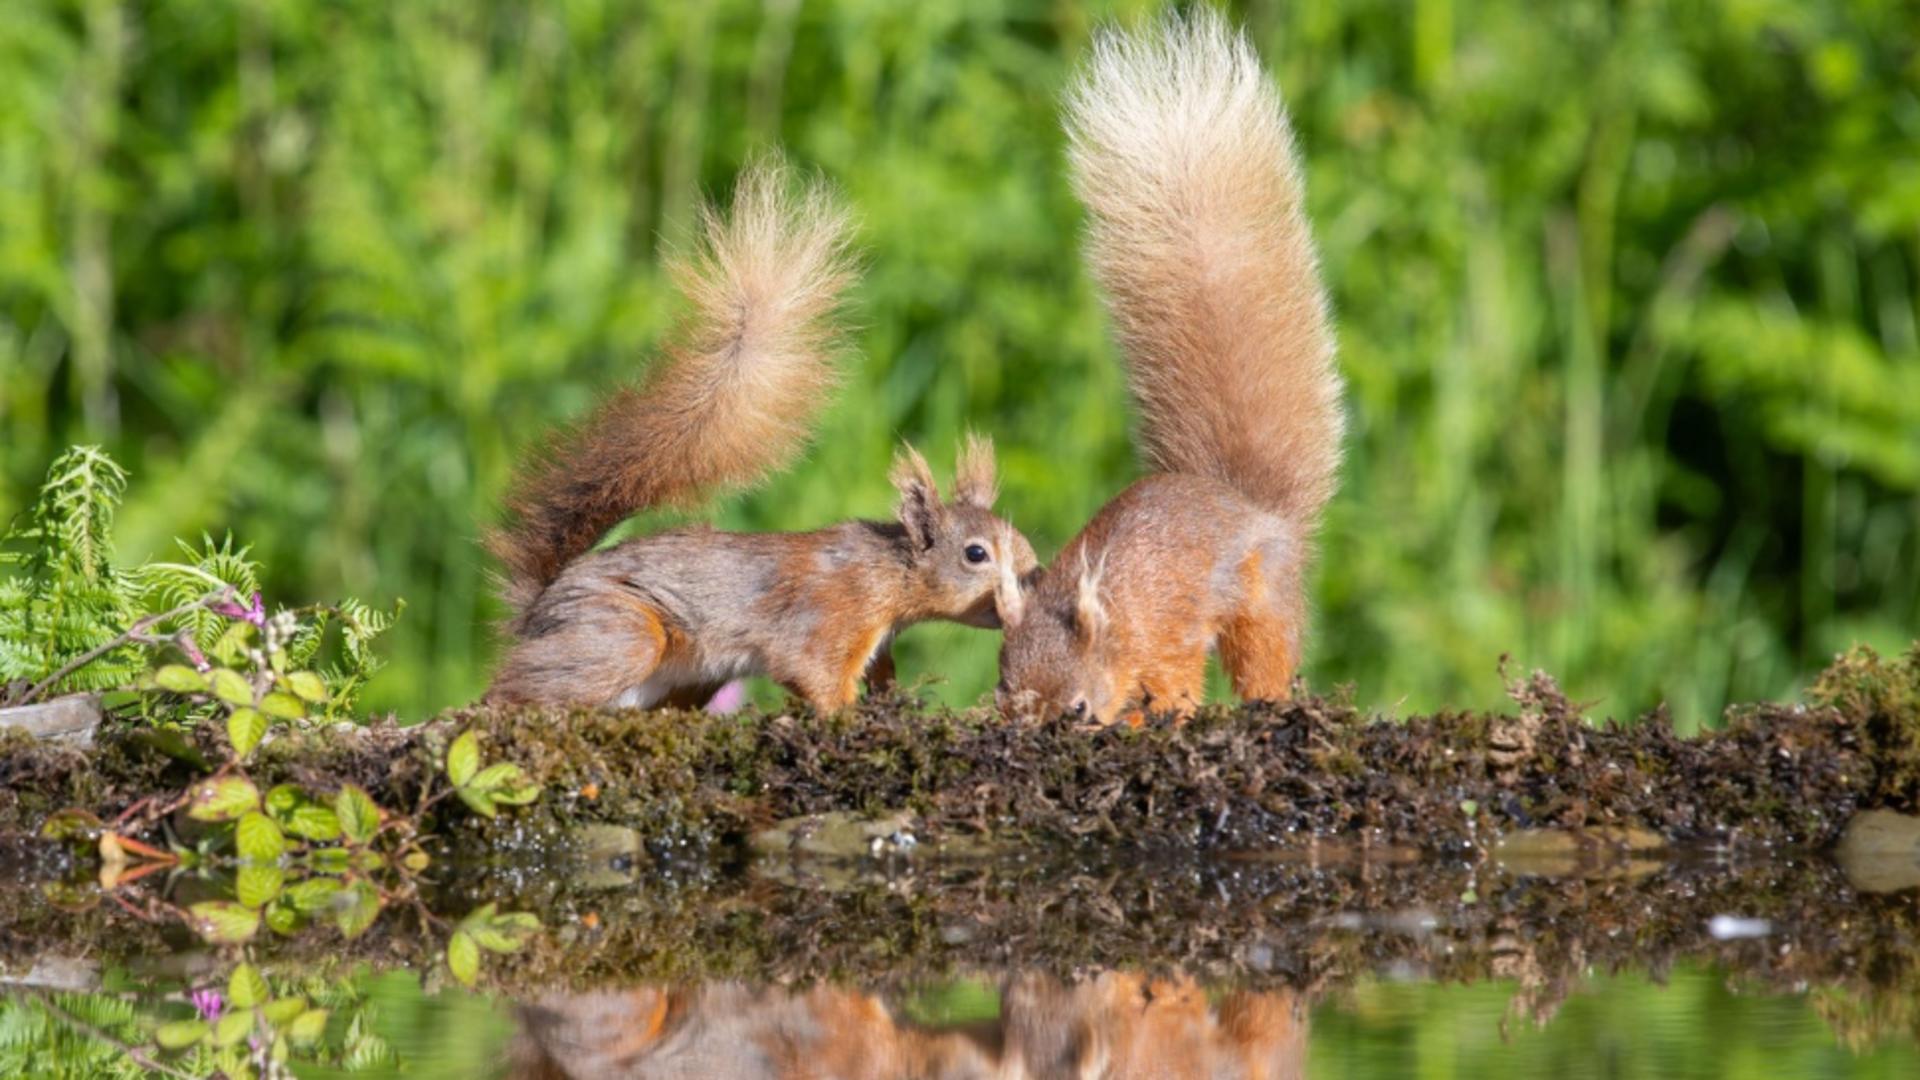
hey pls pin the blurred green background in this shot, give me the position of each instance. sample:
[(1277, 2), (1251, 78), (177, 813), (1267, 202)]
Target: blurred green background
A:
[(1627, 295)]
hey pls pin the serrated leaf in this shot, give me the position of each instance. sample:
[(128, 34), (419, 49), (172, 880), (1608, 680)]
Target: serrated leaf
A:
[(232, 687), (307, 1027), (313, 822), (307, 686), (519, 796), (282, 706), (495, 777), (246, 987), (223, 799), (463, 759), (284, 919), (480, 801), (223, 922), (463, 957), (358, 815), (330, 860), (258, 884), (70, 825), (314, 894), (258, 839), (245, 728), (280, 1010), (181, 1034), (361, 907), (283, 799), (232, 1027), (368, 861), (180, 679)]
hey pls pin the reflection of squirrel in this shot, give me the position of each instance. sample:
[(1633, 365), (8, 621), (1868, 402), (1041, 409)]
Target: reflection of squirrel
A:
[(1181, 150), (669, 617)]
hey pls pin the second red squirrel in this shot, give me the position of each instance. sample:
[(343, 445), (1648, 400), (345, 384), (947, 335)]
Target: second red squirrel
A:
[(1181, 150), (667, 618)]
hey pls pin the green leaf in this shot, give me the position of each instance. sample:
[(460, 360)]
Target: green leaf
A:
[(258, 839), (282, 706), (284, 919), (313, 822), (314, 895), (308, 686), (330, 860), (368, 861), (496, 777), (245, 728), (180, 679), (283, 799), (181, 1034), (307, 1027), (232, 1027), (481, 802), (223, 799), (518, 796), (232, 687), (359, 816), (463, 759), (70, 825), (506, 933), (463, 957), (258, 884), (358, 913), (246, 987), (280, 1010), (223, 922)]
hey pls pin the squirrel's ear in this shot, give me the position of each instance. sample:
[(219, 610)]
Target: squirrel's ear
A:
[(1009, 594), (974, 477), (919, 508), (1089, 612)]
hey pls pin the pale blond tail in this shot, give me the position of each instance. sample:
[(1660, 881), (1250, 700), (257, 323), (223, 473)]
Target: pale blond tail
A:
[(1182, 152), (734, 398)]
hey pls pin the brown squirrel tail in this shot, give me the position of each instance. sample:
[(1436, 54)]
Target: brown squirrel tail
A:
[(733, 399), (1182, 151)]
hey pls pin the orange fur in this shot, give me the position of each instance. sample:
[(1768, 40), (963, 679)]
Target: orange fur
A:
[(1197, 234)]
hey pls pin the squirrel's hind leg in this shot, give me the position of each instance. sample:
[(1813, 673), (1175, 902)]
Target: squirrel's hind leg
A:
[(600, 650)]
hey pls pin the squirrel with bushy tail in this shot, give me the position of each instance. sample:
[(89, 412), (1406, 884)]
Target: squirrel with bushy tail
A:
[(668, 618), (1181, 150)]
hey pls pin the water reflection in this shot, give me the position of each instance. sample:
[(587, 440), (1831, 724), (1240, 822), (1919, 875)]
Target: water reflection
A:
[(1113, 1024)]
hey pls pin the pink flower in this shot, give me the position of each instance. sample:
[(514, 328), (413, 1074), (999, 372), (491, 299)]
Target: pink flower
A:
[(257, 614), (209, 1002)]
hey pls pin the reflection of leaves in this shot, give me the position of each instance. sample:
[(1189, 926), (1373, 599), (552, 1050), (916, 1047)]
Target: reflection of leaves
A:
[(223, 922), (358, 816), (258, 884), (223, 799), (314, 894), (463, 957), (358, 912)]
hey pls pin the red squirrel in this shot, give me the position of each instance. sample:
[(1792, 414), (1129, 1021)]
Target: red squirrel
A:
[(668, 618), (1181, 150)]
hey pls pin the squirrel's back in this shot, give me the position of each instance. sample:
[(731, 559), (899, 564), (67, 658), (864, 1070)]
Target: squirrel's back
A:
[(1181, 150), (733, 399)]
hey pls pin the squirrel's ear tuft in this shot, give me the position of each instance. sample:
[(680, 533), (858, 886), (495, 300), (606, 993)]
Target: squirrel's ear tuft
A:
[(919, 508), (975, 479), (1089, 612)]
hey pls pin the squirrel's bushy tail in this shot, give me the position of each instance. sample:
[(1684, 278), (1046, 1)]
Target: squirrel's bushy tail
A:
[(733, 399), (1182, 152)]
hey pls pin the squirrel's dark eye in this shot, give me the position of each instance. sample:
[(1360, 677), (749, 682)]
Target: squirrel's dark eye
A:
[(1080, 707), (976, 553)]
